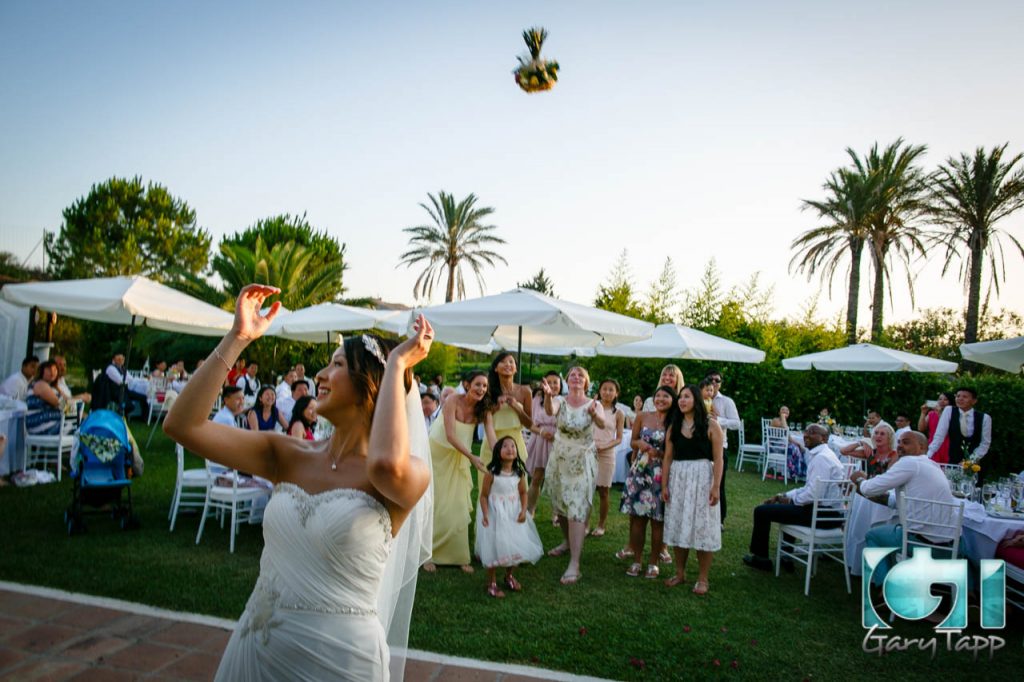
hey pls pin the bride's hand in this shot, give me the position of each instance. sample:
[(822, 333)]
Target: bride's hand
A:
[(416, 347), (249, 323)]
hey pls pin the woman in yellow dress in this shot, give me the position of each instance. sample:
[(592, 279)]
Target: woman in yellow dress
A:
[(511, 404), (451, 453)]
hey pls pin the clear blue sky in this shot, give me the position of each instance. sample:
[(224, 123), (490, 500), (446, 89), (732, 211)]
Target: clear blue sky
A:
[(678, 128)]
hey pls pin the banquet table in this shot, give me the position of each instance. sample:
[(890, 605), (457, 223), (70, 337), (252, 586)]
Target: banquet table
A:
[(12, 423), (622, 457)]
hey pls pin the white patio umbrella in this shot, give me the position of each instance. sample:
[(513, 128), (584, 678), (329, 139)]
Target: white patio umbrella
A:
[(677, 341), (867, 357), (1005, 354), (133, 300), (322, 322), (523, 318)]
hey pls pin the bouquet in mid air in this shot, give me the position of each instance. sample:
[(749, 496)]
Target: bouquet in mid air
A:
[(535, 74)]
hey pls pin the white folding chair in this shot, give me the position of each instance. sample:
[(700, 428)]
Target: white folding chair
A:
[(751, 452), (776, 451), (944, 528), (805, 544), (221, 500), (190, 487), (45, 450)]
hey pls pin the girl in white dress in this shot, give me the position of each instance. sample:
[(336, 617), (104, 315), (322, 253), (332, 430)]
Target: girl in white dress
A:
[(505, 533), (332, 591)]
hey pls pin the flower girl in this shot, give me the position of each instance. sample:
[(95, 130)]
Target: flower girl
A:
[(505, 533)]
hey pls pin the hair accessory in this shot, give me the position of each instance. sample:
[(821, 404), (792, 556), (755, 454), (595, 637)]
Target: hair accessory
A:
[(372, 346)]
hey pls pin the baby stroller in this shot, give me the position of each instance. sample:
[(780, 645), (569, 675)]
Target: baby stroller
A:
[(101, 471)]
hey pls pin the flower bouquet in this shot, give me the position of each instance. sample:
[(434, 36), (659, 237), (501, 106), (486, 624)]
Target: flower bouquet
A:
[(965, 478), (533, 73)]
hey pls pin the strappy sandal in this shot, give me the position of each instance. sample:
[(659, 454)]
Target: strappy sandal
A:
[(665, 557), (634, 569), (652, 572), (700, 587), (597, 532), (568, 579), (558, 551), (675, 580), (493, 591), (624, 553), (512, 584)]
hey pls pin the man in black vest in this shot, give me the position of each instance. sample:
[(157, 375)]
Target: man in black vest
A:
[(969, 430)]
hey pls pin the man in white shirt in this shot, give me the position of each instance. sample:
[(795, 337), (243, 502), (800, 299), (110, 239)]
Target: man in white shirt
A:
[(300, 375), (918, 477), (287, 404), (431, 407), (284, 389), (62, 384), (249, 384), (873, 421), (728, 418), (118, 376), (969, 430), (795, 507), (902, 425), (16, 385), (233, 405)]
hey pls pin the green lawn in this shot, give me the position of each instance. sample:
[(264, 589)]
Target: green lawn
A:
[(754, 625)]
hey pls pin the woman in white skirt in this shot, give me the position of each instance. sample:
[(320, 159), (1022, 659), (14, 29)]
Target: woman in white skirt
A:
[(691, 472)]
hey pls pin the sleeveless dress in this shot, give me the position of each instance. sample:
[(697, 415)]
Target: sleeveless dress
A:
[(538, 448), (42, 419), (312, 615), (572, 469), (453, 491), (690, 521), (505, 541), (506, 423), (641, 494), (269, 424), (606, 456)]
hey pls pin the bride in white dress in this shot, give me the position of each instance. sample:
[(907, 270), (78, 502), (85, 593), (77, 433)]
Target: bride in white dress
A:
[(336, 576)]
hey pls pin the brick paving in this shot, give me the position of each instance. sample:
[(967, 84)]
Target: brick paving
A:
[(49, 635)]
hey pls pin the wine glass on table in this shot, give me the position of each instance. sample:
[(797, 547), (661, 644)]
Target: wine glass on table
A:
[(988, 492)]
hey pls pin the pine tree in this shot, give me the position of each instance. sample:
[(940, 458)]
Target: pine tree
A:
[(617, 295), (662, 296)]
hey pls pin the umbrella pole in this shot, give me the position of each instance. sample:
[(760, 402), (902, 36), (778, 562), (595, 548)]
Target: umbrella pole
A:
[(127, 360), (519, 355)]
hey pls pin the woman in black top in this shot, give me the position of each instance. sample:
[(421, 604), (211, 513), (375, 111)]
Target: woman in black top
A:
[(691, 473)]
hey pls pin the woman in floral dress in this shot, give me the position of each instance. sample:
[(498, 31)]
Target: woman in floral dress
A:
[(572, 467), (641, 495)]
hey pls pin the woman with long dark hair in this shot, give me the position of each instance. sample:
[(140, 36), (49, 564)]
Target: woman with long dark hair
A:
[(690, 486), (264, 415), (511, 403), (303, 418), (344, 526)]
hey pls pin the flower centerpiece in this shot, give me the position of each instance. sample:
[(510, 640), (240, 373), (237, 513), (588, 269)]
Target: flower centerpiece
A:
[(826, 420), (533, 73), (964, 478)]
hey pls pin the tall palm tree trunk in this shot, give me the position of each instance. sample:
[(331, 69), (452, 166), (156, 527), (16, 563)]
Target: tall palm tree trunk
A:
[(853, 295), (877, 297), (974, 289), (449, 291)]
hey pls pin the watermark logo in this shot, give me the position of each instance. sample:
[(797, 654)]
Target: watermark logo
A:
[(907, 591)]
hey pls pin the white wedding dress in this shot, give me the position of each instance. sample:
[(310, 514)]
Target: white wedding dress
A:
[(313, 612)]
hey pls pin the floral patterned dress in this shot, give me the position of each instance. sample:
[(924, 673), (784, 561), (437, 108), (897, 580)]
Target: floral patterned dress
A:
[(572, 467), (641, 495)]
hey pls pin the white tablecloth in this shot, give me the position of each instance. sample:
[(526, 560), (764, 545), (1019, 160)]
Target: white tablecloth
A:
[(864, 514), (621, 456), (12, 423), (138, 385)]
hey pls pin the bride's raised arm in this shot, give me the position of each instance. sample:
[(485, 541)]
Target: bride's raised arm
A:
[(392, 470), (187, 422)]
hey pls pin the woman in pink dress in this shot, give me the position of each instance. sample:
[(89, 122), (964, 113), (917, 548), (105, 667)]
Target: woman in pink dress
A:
[(538, 449), (930, 420)]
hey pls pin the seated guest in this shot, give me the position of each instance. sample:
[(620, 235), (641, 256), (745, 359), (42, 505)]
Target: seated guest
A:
[(287, 404), (796, 464), (795, 507), (431, 406), (928, 422), (231, 397), (902, 425), (112, 387), (45, 404), (873, 421), (16, 385), (1011, 549), (62, 384), (303, 418), (918, 477), (879, 450), (264, 416), (160, 371), (284, 389)]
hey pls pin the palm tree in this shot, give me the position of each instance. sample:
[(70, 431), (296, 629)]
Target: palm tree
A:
[(285, 265), (970, 196), (845, 209), (456, 237), (900, 198)]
